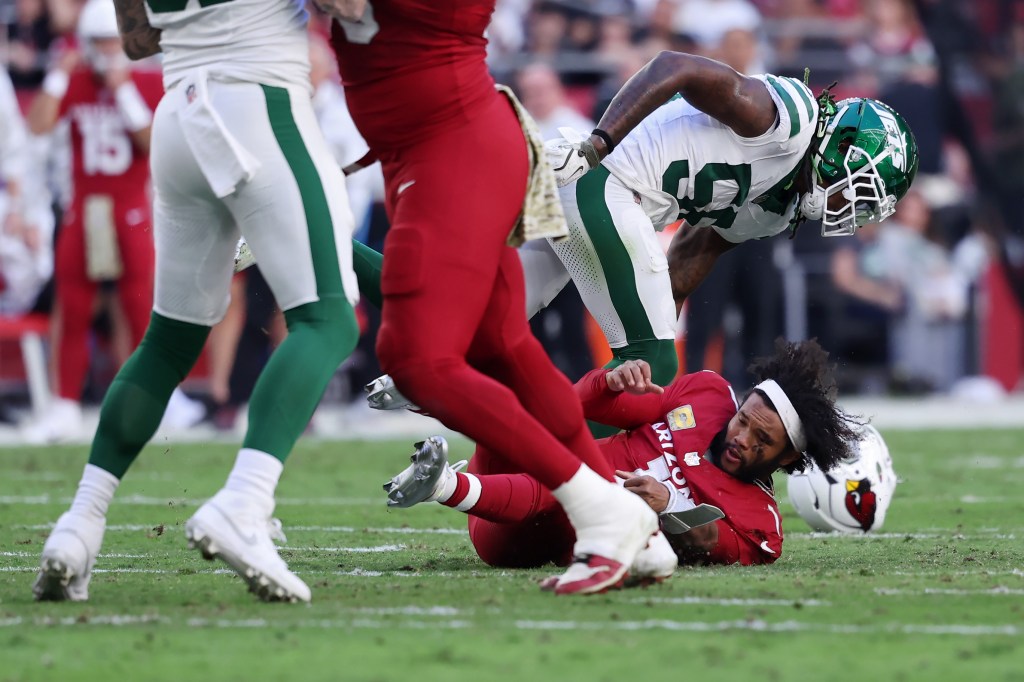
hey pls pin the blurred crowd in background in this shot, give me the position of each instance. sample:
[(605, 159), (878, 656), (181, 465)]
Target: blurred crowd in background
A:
[(929, 301)]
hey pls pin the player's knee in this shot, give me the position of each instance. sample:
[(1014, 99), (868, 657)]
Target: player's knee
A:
[(332, 320)]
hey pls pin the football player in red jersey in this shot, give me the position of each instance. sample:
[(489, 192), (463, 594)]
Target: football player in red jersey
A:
[(107, 230), (686, 445), (454, 335)]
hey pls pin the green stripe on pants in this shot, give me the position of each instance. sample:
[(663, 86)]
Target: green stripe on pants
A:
[(612, 254), (322, 246)]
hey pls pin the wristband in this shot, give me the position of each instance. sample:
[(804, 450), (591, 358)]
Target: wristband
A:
[(604, 136), (56, 83), (133, 108)]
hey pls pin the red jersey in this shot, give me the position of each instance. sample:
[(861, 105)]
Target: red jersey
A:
[(105, 159), (411, 67), (668, 436)]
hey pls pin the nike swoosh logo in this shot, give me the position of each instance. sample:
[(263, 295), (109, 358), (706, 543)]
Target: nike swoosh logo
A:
[(765, 547), (405, 185), (247, 539)]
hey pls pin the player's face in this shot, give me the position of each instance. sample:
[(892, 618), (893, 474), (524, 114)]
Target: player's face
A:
[(756, 444)]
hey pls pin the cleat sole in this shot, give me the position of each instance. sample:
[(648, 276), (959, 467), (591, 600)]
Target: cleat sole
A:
[(259, 584)]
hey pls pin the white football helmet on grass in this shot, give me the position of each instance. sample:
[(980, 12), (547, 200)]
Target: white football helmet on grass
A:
[(854, 496)]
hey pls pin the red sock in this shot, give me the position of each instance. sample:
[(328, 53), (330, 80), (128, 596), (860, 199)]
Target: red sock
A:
[(505, 498)]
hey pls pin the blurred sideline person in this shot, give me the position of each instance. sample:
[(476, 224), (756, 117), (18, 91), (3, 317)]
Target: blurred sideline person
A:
[(26, 217), (682, 446), (236, 151), (419, 90), (106, 233)]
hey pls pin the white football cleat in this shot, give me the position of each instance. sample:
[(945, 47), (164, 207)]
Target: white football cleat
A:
[(238, 530), (426, 478), (68, 556), (654, 563), (381, 394), (61, 421), (608, 540)]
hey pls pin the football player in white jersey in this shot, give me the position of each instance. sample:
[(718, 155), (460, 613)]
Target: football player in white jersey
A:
[(235, 150), (737, 157)]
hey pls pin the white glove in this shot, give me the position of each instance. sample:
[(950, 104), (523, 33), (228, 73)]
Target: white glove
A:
[(571, 156)]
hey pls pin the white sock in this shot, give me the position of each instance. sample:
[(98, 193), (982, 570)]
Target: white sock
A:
[(582, 493), (255, 473), (95, 491)]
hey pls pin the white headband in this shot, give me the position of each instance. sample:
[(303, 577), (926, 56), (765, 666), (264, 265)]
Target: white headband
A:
[(790, 419)]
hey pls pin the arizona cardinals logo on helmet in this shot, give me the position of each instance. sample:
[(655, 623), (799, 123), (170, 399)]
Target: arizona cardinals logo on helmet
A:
[(861, 502)]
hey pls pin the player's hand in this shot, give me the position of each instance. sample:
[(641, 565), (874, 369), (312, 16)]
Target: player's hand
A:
[(632, 376), (68, 60), (571, 156), (651, 490), (346, 10)]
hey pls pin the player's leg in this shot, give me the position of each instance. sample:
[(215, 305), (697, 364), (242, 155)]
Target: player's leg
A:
[(621, 273), (547, 538), (294, 215), (135, 288), (368, 265), (505, 349), (74, 300), (441, 276), (194, 249)]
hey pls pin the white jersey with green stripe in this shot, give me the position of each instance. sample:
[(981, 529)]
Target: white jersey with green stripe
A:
[(685, 164), (257, 41)]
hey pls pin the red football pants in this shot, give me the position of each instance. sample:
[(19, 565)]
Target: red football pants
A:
[(454, 334), (517, 523), (76, 293)]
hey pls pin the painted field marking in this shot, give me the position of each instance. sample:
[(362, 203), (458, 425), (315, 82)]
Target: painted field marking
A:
[(998, 591), (731, 602), (134, 527), (756, 625), (172, 501)]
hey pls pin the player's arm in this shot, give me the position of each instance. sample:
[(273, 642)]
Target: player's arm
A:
[(691, 255), (695, 546), (44, 112), (737, 101), (623, 397), (140, 40), (134, 110)]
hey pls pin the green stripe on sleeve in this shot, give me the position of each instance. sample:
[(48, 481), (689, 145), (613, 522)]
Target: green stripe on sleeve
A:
[(800, 88), (787, 99)]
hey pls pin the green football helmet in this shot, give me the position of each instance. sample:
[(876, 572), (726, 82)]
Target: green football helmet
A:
[(865, 152)]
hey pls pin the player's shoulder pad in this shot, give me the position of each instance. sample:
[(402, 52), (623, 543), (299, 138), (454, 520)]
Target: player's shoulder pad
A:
[(798, 108)]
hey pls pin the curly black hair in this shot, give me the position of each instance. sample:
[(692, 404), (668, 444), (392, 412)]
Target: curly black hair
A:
[(803, 372)]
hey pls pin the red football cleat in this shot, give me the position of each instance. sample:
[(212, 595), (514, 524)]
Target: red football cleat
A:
[(591, 574)]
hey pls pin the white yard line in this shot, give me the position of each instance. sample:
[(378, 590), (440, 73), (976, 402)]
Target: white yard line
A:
[(788, 626), (998, 591), (171, 501), (731, 602), (402, 530)]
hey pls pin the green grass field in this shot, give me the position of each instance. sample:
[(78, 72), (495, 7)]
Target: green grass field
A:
[(400, 595)]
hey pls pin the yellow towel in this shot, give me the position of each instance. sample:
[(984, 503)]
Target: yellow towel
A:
[(542, 214)]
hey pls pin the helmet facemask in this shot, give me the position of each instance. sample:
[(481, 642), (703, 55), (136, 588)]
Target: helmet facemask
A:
[(863, 190)]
